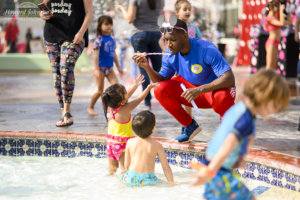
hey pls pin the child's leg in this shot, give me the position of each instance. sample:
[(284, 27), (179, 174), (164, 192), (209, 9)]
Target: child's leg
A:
[(112, 77), (122, 163), (112, 166), (98, 93)]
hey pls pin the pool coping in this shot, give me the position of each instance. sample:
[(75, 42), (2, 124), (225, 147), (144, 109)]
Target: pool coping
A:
[(267, 158)]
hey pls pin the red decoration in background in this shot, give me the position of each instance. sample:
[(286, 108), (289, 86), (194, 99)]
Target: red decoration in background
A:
[(252, 14)]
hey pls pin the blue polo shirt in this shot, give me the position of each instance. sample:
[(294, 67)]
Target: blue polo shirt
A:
[(106, 45), (203, 64), (239, 121)]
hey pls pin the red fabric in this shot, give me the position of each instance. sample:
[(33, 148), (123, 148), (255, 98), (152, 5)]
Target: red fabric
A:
[(252, 14), (12, 32), (168, 93)]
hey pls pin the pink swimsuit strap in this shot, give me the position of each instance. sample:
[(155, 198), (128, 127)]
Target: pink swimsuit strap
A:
[(113, 112)]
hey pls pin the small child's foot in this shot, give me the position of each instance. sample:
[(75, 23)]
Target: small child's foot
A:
[(91, 111)]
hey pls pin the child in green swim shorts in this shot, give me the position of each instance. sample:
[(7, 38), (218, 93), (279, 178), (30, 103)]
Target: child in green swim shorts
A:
[(141, 152)]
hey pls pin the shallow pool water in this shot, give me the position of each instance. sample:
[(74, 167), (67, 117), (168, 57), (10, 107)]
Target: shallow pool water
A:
[(31, 178), (82, 178)]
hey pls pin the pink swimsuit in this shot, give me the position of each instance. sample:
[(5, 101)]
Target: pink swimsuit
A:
[(118, 134), (269, 27)]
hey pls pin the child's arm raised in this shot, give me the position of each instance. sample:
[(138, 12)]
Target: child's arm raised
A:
[(164, 163), (137, 82), (229, 144), (133, 104)]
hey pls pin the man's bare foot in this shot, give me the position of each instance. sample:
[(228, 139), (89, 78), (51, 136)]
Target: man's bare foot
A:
[(91, 111)]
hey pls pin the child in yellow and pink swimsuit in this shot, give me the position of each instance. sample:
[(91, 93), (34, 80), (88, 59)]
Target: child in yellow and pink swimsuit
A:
[(119, 124)]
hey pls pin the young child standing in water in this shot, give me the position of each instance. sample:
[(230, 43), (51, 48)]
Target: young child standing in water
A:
[(141, 152), (265, 93), (119, 124), (104, 58)]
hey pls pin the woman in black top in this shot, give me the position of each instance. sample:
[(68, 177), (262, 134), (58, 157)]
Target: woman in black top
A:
[(66, 35)]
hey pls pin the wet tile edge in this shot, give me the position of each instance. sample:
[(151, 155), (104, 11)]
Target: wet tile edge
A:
[(284, 162)]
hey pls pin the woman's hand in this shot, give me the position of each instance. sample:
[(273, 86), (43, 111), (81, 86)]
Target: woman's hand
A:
[(119, 7), (296, 36), (78, 38), (282, 8), (45, 15)]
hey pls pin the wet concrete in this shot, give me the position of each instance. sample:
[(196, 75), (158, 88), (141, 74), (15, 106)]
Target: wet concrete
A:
[(28, 103)]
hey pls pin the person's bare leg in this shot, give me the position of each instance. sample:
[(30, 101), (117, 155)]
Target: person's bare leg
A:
[(97, 94), (271, 58), (112, 78), (112, 166), (122, 163)]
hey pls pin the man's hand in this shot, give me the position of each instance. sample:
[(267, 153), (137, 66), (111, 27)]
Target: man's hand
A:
[(191, 93), (140, 60)]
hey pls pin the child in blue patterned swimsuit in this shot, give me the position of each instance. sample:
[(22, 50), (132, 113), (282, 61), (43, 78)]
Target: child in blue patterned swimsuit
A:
[(104, 58), (141, 152), (265, 93)]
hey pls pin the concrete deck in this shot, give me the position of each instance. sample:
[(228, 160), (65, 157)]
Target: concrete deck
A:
[(28, 103)]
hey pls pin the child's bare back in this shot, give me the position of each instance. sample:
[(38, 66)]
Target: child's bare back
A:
[(142, 154)]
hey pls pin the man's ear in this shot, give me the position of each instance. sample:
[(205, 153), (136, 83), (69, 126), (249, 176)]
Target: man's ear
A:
[(186, 35)]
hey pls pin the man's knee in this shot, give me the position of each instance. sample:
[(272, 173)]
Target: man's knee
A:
[(223, 100)]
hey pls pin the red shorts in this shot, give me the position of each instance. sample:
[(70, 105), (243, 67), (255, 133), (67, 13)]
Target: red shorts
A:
[(168, 93)]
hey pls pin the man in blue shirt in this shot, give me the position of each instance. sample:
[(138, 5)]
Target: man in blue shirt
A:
[(201, 68)]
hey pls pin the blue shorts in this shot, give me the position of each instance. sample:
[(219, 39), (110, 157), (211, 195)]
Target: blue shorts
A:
[(226, 185), (131, 178)]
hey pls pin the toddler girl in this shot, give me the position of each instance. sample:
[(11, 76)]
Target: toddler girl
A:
[(119, 124), (104, 57)]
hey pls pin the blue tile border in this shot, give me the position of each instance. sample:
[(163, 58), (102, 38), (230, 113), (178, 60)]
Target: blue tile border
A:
[(74, 148)]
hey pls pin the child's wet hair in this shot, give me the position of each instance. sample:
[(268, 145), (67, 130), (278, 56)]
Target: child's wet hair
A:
[(101, 20), (267, 86), (143, 123), (178, 4), (113, 97)]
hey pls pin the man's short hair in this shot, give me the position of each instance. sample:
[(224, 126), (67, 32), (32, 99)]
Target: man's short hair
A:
[(143, 123)]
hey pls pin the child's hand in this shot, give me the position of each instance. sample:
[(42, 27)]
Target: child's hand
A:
[(153, 85), (201, 178), (139, 80)]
